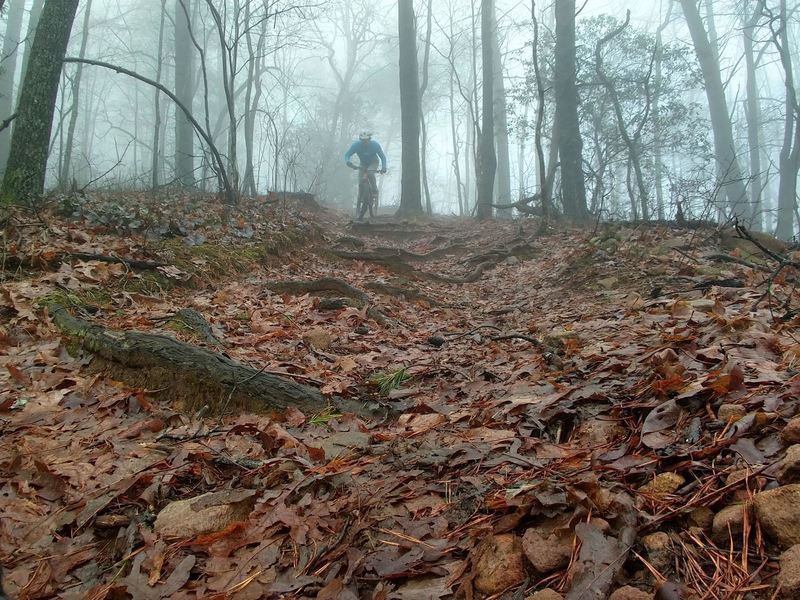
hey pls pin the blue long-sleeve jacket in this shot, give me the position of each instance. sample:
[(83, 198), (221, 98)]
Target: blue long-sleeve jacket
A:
[(368, 152)]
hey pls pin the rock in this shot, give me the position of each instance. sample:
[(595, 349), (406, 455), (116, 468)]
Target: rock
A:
[(342, 442), (701, 517), (791, 433), (778, 511), (731, 412), (204, 514), (609, 283), (728, 525), (663, 484), (500, 564), (318, 338), (630, 593), (545, 594), (659, 550), (598, 432), (547, 551), (789, 467), (789, 575)]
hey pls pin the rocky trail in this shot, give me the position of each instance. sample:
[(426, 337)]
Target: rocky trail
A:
[(279, 403)]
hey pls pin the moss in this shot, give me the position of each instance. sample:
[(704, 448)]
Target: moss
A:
[(86, 298)]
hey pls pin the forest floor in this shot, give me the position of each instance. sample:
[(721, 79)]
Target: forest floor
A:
[(538, 412)]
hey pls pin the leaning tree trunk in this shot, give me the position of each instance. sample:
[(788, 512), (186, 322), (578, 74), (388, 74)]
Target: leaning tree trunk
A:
[(63, 178), (27, 162), (9, 67), (727, 161), (410, 191), (570, 144), (33, 23), (487, 161)]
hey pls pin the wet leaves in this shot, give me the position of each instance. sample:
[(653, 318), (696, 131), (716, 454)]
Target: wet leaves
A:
[(498, 452)]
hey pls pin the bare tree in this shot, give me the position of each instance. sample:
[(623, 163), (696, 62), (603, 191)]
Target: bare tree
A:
[(27, 162), (66, 163), (727, 161), (753, 112), (11, 43), (503, 179), (422, 88)]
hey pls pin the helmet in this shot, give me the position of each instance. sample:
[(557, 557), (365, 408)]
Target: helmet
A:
[(365, 136)]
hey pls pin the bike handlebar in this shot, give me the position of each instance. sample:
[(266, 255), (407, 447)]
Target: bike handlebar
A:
[(357, 168)]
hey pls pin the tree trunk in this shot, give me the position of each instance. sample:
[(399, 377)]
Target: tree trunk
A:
[(753, 112), (727, 162), (658, 167), (487, 160), (545, 184), (630, 142), (8, 72), (424, 129), (503, 180), (790, 150), (155, 159), (63, 179), (33, 22), (410, 192), (454, 135), (570, 145), (184, 71), (27, 162)]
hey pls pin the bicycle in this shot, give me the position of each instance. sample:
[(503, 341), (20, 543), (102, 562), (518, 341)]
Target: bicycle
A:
[(367, 190)]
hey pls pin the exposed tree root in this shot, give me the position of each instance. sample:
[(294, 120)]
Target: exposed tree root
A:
[(405, 291), (327, 285), (192, 374), (53, 262)]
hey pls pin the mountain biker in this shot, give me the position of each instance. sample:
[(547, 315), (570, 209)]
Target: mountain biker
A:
[(369, 152)]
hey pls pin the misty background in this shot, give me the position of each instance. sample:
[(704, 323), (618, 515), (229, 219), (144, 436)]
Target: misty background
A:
[(285, 87)]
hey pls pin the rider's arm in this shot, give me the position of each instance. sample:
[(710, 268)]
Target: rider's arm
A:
[(350, 152), (381, 155)]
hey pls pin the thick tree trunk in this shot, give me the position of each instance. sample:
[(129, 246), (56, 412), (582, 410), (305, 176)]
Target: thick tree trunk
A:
[(63, 178), (570, 146), (503, 179), (410, 191), (727, 162), (7, 73), (184, 72), (27, 163), (487, 160)]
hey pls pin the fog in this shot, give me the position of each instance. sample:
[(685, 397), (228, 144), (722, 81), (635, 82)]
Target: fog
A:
[(302, 79)]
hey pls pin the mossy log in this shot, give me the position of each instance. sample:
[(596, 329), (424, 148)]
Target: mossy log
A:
[(147, 357)]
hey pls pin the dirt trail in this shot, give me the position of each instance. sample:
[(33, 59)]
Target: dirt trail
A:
[(572, 416)]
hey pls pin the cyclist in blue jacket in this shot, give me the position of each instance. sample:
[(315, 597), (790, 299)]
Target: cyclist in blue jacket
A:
[(369, 152)]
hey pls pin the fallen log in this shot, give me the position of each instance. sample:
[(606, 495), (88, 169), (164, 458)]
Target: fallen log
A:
[(193, 374)]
